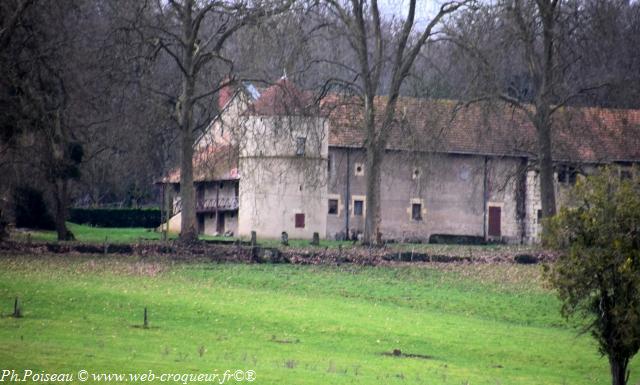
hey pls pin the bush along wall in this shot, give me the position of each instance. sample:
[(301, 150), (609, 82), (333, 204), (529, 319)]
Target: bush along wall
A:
[(146, 218)]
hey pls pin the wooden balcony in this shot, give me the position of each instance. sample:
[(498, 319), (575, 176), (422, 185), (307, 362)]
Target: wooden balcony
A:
[(210, 205)]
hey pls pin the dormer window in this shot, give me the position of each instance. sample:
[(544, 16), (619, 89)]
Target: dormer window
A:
[(300, 145)]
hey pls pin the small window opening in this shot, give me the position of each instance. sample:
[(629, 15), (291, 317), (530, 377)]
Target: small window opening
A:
[(567, 175), (358, 207), (416, 173), (539, 215), (300, 145), (416, 211), (299, 221), (359, 169), (333, 206)]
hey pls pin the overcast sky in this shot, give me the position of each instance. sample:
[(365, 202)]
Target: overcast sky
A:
[(424, 8)]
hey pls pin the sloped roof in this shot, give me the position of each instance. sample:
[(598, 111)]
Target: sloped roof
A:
[(446, 126), (283, 98), (579, 134), (210, 164)]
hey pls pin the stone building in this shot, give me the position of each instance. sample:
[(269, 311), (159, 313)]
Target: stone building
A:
[(281, 160)]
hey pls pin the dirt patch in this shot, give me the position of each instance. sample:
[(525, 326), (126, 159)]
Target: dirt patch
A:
[(398, 353), (284, 340)]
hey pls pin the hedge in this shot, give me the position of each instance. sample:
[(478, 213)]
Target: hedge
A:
[(456, 239), (147, 218)]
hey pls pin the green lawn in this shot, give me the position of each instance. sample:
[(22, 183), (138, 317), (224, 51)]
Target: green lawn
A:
[(478, 324), (91, 234)]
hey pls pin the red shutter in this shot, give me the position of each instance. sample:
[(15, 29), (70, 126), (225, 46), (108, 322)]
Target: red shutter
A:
[(494, 221), (300, 221)]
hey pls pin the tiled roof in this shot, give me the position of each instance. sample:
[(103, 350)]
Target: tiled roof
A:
[(283, 98), (579, 134), (210, 164)]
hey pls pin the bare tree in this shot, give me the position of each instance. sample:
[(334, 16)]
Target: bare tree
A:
[(540, 40), (40, 85), (363, 25), (193, 34)]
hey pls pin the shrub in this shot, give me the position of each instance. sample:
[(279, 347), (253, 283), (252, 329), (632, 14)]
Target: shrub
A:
[(147, 218), (31, 210), (597, 275), (456, 239)]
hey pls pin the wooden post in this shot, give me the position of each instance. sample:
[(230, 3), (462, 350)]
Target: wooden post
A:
[(16, 309), (254, 248), (162, 213), (146, 320)]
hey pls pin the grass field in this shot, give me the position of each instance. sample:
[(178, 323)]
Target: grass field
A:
[(475, 324), (91, 234)]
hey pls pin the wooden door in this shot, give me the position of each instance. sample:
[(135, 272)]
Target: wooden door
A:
[(495, 213), (220, 222)]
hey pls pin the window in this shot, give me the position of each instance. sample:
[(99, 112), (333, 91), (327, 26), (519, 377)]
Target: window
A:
[(416, 211), (300, 144), (359, 169), (567, 175), (333, 206), (539, 215), (329, 163), (358, 207), (299, 221)]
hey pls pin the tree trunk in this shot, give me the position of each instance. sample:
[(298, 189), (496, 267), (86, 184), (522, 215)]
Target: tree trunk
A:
[(618, 371), (547, 188), (372, 219), (188, 230), (543, 102), (61, 192)]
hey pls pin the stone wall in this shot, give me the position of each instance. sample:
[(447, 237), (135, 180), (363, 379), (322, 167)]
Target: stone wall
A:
[(283, 181), (448, 188)]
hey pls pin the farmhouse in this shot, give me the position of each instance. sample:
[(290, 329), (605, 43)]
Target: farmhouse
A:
[(279, 159)]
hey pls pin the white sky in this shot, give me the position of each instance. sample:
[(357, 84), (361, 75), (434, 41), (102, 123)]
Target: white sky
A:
[(425, 9)]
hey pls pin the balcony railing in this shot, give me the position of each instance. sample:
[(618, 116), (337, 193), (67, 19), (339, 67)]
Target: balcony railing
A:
[(210, 205)]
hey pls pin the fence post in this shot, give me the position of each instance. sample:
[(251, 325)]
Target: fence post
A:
[(254, 247), (17, 313)]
